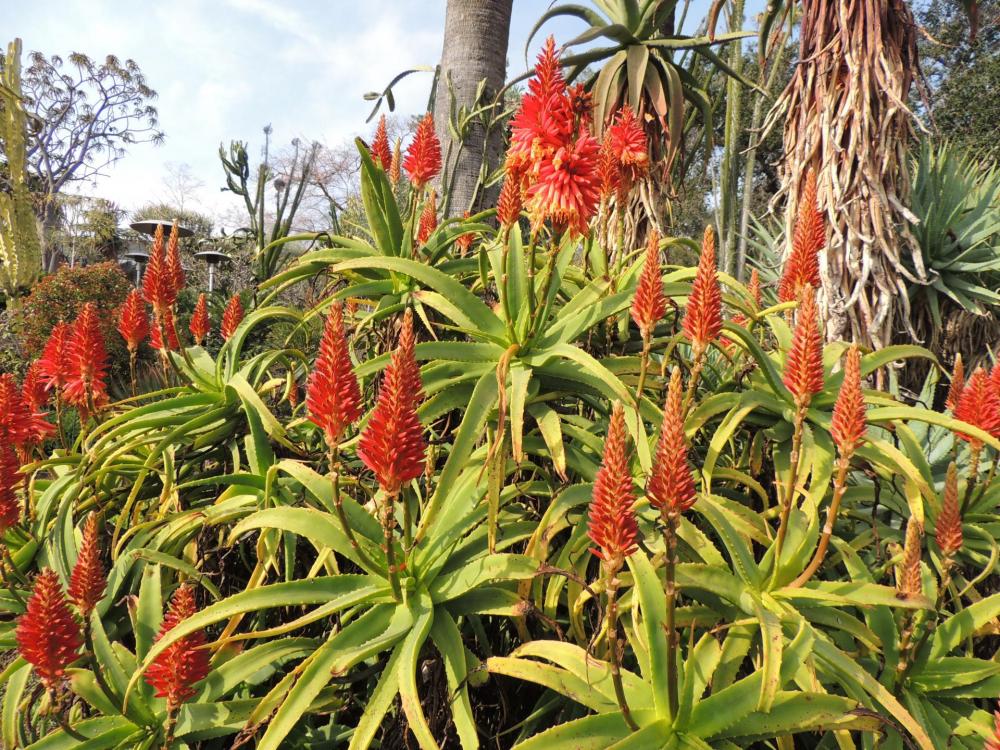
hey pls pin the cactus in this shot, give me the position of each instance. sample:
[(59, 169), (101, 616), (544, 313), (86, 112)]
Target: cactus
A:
[(20, 250)]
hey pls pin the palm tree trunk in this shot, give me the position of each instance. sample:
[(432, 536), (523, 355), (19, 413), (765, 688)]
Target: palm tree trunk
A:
[(476, 34)]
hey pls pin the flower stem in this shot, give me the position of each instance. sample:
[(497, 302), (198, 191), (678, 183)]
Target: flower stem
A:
[(786, 500), (616, 677), (647, 342), (388, 524), (975, 450), (670, 543), (338, 503), (839, 488)]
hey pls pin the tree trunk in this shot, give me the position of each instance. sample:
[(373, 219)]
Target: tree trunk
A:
[(476, 34)]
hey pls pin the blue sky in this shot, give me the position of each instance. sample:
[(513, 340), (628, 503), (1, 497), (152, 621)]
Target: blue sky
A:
[(225, 68)]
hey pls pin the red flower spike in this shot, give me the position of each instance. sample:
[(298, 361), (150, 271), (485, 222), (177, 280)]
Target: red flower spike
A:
[(995, 377), (133, 322), (55, 360), (608, 172), (627, 141), (201, 323), (649, 304), (169, 330), (509, 204), (849, 416), (89, 362), (333, 397), (958, 383), (566, 188), (174, 673), (948, 528), (753, 286), (428, 219), (393, 444), (979, 405), (412, 382), (380, 151), (703, 317), (157, 283), (232, 317), (993, 742), (175, 270), (909, 581), (671, 486), (10, 480), (464, 241), (804, 364), (88, 581), (423, 157), (15, 419), (613, 527), (397, 160), (33, 389), (48, 636), (808, 238), (581, 102)]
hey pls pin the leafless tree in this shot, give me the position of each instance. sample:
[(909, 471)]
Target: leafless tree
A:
[(180, 184)]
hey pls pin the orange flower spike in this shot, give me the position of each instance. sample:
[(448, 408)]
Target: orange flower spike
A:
[(175, 270), (178, 668), (333, 397), (613, 527), (15, 418), (33, 389), (88, 580), (393, 444), (48, 636), (979, 405), (849, 426), (394, 165), (201, 323), (10, 480), (909, 582), (428, 219), (133, 322), (464, 241), (509, 204), (55, 360), (649, 303), (808, 238), (804, 364), (753, 286), (670, 487), (423, 157), (412, 382), (169, 330), (948, 528), (958, 383), (608, 172), (88, 362), (232, 317), (380, 151), (703, 317), (157, 286), (628, 143)]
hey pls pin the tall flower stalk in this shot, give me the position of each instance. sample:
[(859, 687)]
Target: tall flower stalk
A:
[(703, 318), (649, 304)]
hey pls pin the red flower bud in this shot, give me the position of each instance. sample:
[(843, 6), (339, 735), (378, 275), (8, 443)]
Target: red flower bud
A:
[(979, 405), (809, 237), (54, 363), (85, 388), (232, 317), (428, 219), (649, 304), (670, 486), (333, 398), (88, 582), (48, 636), (804, 364), (849, 417), (423, 157), (179, 667), (133, 322), (613, 527), (958, 383), (380, 151), (201, 323), (703, 317), (948, 527)]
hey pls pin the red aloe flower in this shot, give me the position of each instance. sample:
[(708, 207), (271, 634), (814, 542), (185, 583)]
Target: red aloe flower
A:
[(428, 219), (201, 324), (169, 330), (703, 317), (133, 322), (10, 480), (392, 444), (88, 582), (809, 237), (581, 102), (48, 636), (979, 405), (627, 141), (33, 388), (993, 742), (157, 283), (670, 487), (908, 579), (179, 667), (175, 270), (412, 382), (649, 304), (380, 151), (464, 241), (608, 172), (804, 364), (55, 360), (423, 157), (958, 383), (394, 166), (15, 419), (333, 398), (89, 361), (948, 527), (232, 317), (509, 203), (613, 527), (566, 188), (849, 417)]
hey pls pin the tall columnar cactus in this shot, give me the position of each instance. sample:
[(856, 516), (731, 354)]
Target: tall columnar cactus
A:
[(20, 251)]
